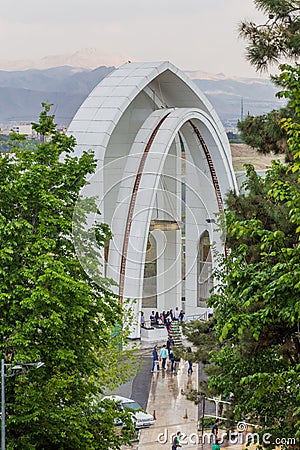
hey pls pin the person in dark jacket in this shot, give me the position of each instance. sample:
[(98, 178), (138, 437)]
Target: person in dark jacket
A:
[(190, 360), (170, 343), (155, 361), (215, 430), (172, 359)]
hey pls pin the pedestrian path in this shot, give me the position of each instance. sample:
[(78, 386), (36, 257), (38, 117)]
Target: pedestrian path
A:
[(173, 412)]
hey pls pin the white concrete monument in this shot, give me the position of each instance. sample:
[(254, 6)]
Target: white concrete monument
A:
[(164, 167)]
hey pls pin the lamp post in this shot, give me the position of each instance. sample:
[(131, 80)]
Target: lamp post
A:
[(15, 369)]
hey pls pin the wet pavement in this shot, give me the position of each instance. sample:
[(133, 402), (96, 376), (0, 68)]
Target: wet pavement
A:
[(173, 412), (168, 403)]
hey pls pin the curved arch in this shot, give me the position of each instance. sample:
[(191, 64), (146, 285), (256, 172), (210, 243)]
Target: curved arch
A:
[(132, 203), (154, 143), (132, 121), (102, 112)]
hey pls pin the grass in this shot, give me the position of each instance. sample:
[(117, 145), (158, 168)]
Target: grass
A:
[(243, 154)]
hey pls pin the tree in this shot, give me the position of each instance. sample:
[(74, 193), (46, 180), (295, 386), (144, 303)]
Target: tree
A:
[(51, 310), (257, 306), (278, 37), (204, 341), (264, 133), (4, 140)]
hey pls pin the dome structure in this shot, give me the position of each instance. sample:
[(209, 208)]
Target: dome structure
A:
[(163, 168)]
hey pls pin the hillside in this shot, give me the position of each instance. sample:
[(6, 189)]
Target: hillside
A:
[(22, 92), (243, 154)]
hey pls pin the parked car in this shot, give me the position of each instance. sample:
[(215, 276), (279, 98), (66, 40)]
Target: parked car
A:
[(140, 417)]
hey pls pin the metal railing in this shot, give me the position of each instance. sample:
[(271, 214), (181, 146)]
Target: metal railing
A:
[(203, 317)]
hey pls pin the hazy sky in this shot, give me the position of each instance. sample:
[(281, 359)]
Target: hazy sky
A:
[(192, 34)]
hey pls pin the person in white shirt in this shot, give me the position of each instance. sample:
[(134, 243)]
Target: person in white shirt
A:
[(176, 314), (210, 312), (168, 321)]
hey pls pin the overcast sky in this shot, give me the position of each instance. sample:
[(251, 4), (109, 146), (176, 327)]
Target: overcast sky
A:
[(192, 34)]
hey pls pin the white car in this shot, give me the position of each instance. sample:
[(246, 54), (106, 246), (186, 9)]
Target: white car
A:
[(141, 418)]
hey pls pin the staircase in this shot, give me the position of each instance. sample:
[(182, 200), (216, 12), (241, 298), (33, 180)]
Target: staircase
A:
[(175, 333)]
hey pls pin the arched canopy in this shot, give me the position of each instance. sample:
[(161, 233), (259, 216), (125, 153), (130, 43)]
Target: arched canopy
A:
[(149, 125)]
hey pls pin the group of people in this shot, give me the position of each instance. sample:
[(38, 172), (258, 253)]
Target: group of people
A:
[(167, 358), (165, 318)]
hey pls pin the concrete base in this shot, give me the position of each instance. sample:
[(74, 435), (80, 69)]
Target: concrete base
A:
[(154, 334)]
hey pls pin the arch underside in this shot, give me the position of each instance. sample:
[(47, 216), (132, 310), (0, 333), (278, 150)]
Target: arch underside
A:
[(162, 156), (156, 153)]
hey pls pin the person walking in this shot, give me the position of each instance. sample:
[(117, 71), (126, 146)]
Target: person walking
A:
[(170, 343), (215, 430), (163, 354), (190, 360), (155, 361), (172, 359), (142, 320), (176, 441)]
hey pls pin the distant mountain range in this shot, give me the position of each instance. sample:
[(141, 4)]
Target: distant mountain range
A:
[(88, 58), (66, 87)]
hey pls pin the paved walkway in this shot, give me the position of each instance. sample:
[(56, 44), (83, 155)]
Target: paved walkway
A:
[(167, 400), (168, 403)]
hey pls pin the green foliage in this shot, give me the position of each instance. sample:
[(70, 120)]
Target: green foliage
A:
[(278, 37), (257, 307), (202, 336), (51, 310), (204, 341), (4, 141), (253, 212), (264, 133)]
